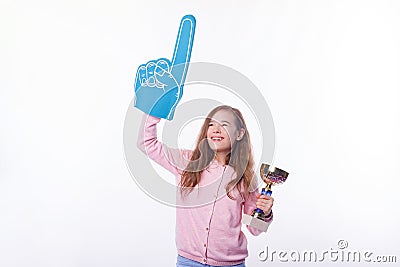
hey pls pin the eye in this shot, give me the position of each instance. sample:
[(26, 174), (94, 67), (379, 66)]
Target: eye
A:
[(210, 124), (224, 124)]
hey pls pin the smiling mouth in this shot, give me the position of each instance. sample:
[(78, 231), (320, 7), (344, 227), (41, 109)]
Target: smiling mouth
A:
[(217, 138)]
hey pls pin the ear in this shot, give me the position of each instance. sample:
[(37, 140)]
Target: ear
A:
[(240, 135)]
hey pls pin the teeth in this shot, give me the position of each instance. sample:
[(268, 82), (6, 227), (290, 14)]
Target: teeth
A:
[(217, 138)]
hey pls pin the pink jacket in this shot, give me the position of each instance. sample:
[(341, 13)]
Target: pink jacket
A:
[(210, 231)]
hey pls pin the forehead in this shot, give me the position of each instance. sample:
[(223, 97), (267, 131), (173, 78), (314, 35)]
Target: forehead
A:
[(224, 115)]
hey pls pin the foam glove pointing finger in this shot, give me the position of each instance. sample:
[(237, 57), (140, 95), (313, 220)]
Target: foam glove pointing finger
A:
[(159, 83)]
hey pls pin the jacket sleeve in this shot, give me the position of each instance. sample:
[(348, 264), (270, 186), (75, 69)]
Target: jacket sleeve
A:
[(174, 160), (249, 206)]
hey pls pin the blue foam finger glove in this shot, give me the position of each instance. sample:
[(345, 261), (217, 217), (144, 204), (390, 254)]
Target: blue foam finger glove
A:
[(159, 83)]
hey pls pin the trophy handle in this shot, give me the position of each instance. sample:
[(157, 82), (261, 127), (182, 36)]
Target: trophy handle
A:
[(265, 191)]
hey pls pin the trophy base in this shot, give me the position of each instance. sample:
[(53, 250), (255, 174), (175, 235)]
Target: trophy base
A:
[(255, 222)]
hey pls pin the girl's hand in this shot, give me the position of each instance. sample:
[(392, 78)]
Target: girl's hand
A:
[(265, 203)]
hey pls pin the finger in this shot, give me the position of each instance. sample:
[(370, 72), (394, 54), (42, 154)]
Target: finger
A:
[(162, 66), (184, 40), (140, 79), (266, 197), (261, 200), (150, 68), (264, 208), (264, 203), (183, 48)]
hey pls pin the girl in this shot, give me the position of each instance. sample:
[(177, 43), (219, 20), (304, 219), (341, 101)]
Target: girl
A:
[(216, 182)]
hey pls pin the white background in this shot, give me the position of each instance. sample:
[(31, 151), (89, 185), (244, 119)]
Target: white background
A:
[(329, 71)]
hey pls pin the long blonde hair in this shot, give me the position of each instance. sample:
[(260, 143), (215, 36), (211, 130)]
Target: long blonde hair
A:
[(240, 158)]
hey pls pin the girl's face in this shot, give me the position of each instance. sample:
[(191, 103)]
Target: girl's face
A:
[(223, 132)]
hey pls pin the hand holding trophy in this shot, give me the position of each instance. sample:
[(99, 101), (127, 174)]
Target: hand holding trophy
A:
[(271, 176)]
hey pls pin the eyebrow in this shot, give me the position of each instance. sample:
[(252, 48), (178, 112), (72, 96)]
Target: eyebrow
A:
[(212, 120)]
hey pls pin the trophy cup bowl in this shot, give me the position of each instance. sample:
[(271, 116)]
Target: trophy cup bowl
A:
[(271, 176)]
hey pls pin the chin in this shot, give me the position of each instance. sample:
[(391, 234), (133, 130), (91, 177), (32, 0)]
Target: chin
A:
[(225, 149)]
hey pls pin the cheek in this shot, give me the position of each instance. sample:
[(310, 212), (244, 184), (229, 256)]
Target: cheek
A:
[(231, 134), (208, 132)]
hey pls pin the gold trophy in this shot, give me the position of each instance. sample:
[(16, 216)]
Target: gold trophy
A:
[(271, 176)]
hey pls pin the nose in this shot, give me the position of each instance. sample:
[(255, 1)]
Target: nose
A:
[(217, 128)]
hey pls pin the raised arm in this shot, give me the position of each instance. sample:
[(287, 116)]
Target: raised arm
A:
[(172, 159)]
